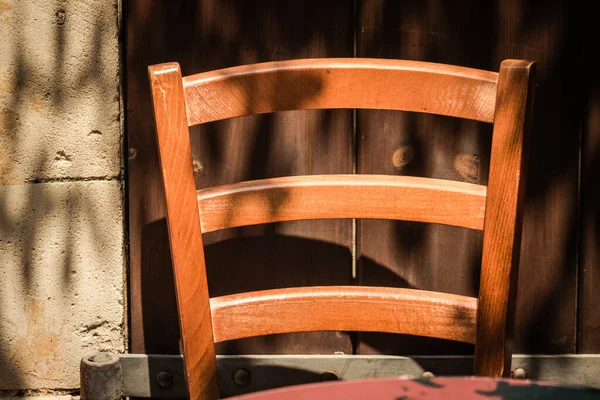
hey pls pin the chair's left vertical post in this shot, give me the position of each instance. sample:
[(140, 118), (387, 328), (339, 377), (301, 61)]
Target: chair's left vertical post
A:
[(185, 235)]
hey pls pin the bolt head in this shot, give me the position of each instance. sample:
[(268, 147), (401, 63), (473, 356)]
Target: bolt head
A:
[(519, 373), (241, 377), (164, 379), (131, 153), (329, 376)]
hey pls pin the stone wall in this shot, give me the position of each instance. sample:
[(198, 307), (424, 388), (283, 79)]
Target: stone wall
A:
[(62, 259)]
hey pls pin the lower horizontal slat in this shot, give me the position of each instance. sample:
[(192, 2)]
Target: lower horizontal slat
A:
[(344, 308)]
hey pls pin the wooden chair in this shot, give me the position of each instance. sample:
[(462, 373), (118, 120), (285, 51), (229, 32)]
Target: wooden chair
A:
[(504, 99)]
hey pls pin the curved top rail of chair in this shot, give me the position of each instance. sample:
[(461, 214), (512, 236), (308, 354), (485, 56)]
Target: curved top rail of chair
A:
[(340, 83)]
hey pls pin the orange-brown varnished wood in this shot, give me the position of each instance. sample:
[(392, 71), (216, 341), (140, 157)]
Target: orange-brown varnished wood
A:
[(340, 83), (187, 251), (342, 196), (440, 89), (503, 218), (344, 308)]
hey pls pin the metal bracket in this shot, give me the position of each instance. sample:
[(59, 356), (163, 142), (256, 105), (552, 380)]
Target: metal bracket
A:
[(101, 377), (110, 376)]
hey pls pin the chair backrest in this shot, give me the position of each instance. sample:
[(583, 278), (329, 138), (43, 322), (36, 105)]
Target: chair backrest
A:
[(503, 98)]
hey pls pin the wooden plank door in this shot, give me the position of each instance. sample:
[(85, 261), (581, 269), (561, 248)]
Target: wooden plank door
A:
[(208, 34), (589, 304)]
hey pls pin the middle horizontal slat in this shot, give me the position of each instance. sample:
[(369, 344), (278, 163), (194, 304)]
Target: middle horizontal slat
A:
[(342, 196)]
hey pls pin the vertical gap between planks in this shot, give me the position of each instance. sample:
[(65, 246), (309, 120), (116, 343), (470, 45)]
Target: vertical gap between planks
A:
[(585, 97), (124, 152), (579, 233), (354, 339), (354, 147)]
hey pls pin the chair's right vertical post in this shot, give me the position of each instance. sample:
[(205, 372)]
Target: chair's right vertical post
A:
[(503, 218)]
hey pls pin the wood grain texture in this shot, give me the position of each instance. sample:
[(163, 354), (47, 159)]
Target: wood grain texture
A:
[(503, 219), (346, 308), (185, 236), (414, 144), (342, 196), (589, 268), (546, 314), (304, 253), (589, 317), (549, 33), (340, 83), (154, 327)]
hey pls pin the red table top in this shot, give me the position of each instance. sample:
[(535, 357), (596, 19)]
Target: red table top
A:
[(430, 389)]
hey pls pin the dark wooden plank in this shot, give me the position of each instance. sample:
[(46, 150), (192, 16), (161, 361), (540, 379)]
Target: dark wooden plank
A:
[(282, 144), (589, 300), (154, 328), (415, 255), (211, 34), (550, 34), (411, 254)]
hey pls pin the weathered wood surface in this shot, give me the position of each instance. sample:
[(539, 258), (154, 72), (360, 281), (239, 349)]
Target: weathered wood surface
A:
[(215, 34), (407, 144)]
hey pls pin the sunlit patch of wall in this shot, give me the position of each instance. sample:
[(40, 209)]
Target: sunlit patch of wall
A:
[(62, 291)]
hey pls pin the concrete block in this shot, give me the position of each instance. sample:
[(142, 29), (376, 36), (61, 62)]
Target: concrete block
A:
[(36, 396), (59, 90), (62, 290)]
